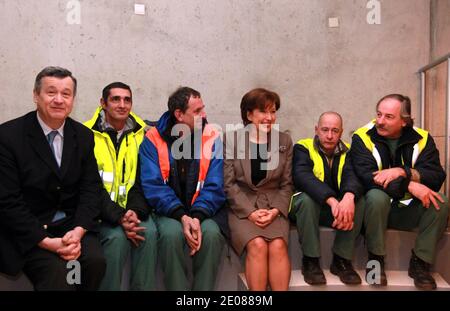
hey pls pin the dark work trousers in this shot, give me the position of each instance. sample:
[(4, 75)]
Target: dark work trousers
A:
[(381, 214), (47, 271), (308, 215)]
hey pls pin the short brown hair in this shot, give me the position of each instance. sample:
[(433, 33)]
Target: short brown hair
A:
[(258, 99)]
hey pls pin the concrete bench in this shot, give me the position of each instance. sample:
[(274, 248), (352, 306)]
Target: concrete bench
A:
[(398, 243)]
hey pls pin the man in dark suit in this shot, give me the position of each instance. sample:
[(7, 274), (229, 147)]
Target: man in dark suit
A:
[(49, 192)]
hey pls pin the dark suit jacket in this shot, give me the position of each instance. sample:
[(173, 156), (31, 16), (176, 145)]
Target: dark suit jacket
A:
[(33, 188)]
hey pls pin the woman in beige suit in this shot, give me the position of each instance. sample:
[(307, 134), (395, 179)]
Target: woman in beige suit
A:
[(258, 184)]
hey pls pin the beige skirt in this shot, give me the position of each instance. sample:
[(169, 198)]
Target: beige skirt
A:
[(243, 231)]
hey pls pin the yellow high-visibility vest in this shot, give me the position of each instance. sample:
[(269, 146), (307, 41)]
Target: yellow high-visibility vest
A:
[(117, 171), (417, 149), (319, 168)]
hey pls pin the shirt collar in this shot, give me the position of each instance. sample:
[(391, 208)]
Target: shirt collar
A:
[(105, 126), (48, 129), (340, 148)]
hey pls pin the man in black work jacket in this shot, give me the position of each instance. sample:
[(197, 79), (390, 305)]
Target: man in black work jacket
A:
[(330, 196), (400, 169)]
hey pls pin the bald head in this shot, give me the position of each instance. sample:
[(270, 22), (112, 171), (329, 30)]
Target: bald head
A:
[(329, 130), (331, 115)]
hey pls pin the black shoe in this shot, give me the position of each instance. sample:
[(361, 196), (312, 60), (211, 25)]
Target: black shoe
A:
[(369, 275), (419, 270), (312, 273), (343, 268)]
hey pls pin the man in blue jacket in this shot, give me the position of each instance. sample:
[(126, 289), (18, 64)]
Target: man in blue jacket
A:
[(185, 186)]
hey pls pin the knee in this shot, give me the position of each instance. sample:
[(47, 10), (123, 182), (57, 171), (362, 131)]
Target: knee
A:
[(58, 269), (54, 277), (211, 232), (150, 233), (307, 205), (377, 200), (95, 259), (257, 247), (212, 236), (443, 205), (443, 208), (113, 236), (172, 235), (94, 262), (93, 269), (277, 247)]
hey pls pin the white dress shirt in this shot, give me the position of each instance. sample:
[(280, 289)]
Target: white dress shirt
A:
[(58, 142)]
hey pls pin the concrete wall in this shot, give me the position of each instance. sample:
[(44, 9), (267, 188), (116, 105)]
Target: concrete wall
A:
[(223, 48), (440, 28), (436, 78)]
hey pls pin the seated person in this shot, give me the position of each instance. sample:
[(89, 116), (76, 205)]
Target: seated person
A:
[(49, 191), (259, 188), (183, 180), (399, 167), (331, 196), (127, 226)]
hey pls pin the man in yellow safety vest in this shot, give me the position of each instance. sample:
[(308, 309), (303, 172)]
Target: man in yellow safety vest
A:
[(399, 167), (127, 226), (330, 196)]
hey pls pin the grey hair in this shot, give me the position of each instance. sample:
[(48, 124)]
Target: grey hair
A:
[(405, 107)]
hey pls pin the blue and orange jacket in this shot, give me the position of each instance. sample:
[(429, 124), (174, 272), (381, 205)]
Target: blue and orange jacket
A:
[(164, 195)]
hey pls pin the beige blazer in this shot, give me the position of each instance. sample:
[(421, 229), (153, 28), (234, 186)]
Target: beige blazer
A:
[(272, 192)]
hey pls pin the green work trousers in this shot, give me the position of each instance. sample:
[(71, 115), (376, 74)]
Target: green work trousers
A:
[(173, 251), (308, 215)]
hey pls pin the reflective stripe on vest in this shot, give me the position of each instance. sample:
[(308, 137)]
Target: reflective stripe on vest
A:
[(417, 149), (319, 169), (163, 152), (208, 137), (117, 168), (362, 133)]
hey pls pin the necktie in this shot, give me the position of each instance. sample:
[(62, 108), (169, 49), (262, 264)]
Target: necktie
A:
[(51, 138)]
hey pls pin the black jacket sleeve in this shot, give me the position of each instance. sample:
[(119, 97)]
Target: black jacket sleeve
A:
[(16, 218), (429, 167), (110, 211), (350, 182), (364, 166), (304, 178), (363, 163), (136, 200), (90, 184)]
